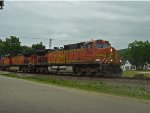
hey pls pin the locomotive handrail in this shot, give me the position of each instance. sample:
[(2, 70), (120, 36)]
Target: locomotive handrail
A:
[(32, 62), (108, 58), (37, 59), (103, 60)]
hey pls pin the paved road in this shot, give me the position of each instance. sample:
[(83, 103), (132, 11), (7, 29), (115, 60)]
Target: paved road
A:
[(21, 96)]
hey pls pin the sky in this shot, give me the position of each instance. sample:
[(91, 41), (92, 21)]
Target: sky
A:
[(74, 21)]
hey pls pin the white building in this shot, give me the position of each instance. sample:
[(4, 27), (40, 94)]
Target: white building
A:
[(128, 66), (147, 66)]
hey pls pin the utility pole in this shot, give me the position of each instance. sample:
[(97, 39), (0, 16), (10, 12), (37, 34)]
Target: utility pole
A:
[(50, 43), (1, 4)]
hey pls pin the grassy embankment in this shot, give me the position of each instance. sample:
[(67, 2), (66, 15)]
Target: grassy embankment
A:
[(134, 73), (138, 91)]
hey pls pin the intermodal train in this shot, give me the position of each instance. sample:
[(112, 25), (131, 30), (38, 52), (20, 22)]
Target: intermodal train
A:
[(95, 58)]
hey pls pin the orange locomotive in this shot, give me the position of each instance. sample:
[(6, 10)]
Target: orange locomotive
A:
[(96, 58)]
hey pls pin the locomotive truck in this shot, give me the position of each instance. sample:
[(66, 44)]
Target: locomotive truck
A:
[(95, 58)]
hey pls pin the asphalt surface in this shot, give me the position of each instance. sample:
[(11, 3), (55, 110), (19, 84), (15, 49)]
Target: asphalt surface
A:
[(22, 96)]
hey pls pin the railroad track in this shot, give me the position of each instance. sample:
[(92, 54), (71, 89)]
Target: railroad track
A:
[(125, 81), (84, 76)]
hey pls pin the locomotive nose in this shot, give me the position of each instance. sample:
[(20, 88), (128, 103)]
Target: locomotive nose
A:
[(114, 56)]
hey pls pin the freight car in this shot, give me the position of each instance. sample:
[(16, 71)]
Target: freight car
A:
[(96, 58)]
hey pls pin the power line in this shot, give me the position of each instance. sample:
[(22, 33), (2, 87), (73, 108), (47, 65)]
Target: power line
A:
[(56, 42), (54, 39)]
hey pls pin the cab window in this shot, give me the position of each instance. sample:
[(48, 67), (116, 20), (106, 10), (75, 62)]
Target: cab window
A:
[(100, 45), (87, 46)]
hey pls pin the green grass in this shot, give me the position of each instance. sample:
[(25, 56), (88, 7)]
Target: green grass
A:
[(129, 73), (139, 92), (133, 73)]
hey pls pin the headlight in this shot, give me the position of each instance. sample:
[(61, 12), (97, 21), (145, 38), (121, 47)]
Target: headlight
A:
[(97, 60), (111, 50), (111, 60)]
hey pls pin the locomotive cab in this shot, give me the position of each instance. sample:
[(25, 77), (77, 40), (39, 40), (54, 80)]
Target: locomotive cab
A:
[(102, 44), (101, 51), (96, 44)]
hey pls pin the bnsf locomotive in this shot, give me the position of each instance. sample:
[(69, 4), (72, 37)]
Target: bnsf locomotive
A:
[(95, 58)]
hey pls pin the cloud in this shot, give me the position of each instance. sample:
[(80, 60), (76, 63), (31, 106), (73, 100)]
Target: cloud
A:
[(118, 22)]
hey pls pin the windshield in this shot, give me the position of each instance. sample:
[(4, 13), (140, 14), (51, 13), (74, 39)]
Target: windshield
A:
[(98, 45)]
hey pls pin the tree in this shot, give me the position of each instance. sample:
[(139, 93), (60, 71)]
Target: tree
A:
[(2, 49), (26, 49), (12, 45), (37, 46), (124, 54), (138, 53)]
